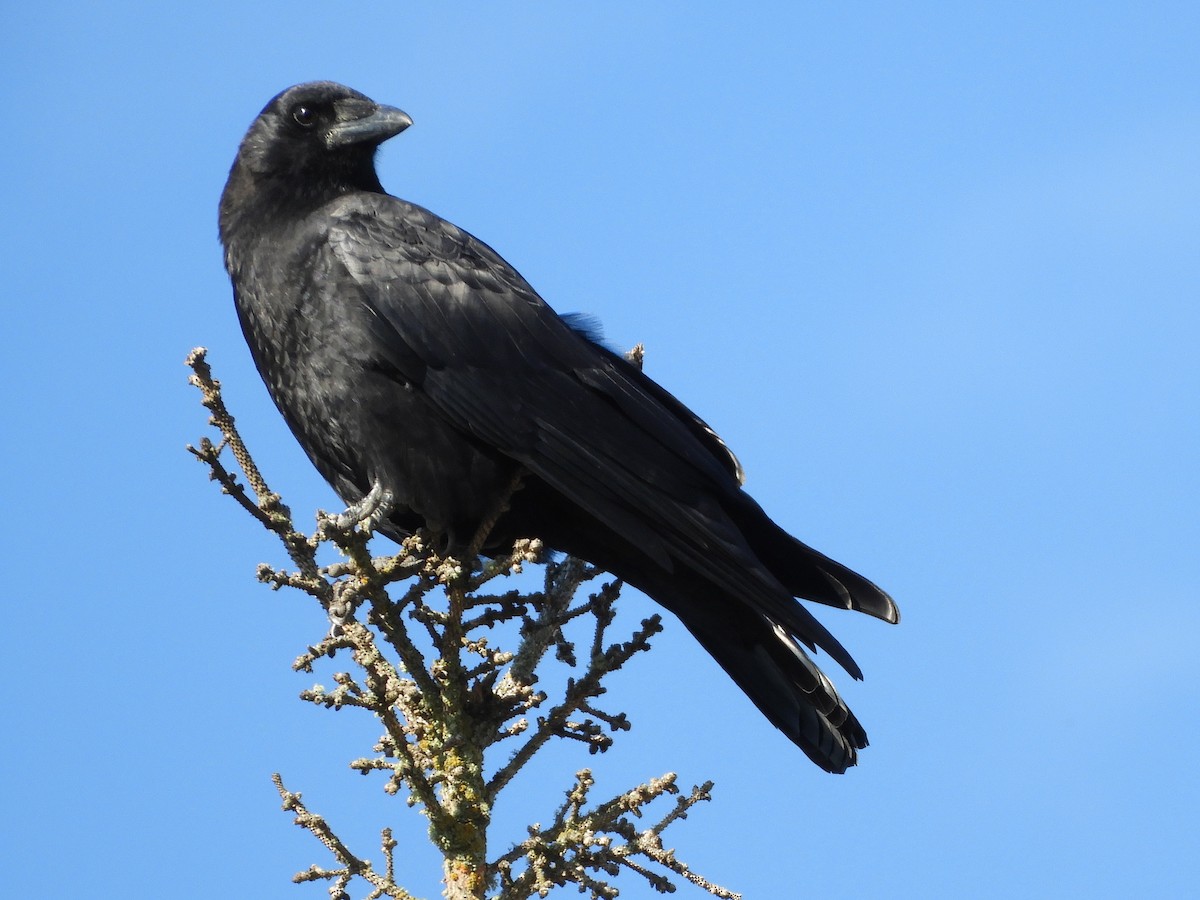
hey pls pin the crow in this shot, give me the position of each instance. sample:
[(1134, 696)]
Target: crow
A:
[(425, 379)]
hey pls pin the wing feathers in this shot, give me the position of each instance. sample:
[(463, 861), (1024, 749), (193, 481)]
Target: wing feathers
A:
[(508, 370)]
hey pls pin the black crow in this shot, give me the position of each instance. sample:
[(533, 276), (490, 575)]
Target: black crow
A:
[(424, 377)]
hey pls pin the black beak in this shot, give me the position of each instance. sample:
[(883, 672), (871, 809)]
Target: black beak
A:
[(381, 123)]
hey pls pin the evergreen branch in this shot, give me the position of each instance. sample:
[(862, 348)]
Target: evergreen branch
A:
[(443, 694)]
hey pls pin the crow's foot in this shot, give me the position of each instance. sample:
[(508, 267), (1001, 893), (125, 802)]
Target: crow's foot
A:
[(367, 513)]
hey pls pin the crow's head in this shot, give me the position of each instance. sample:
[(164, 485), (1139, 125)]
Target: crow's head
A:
[(311, 142), (317, 126)]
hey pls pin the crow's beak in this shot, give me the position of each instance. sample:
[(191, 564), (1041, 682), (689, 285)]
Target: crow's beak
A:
[(381, 123)]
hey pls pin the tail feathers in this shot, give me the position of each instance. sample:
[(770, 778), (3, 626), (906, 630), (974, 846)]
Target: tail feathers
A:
[(783, 682), (852, 590), (806, 572)]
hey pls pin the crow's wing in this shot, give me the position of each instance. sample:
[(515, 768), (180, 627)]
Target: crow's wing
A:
[(460, 324)]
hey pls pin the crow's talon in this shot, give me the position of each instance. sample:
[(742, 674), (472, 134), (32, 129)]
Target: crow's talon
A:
[(368, 513)]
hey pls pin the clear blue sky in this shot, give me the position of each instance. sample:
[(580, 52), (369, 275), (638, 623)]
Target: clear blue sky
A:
[(932, 271)]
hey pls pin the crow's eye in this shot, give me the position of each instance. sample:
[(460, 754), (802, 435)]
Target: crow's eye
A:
[(305, 116)]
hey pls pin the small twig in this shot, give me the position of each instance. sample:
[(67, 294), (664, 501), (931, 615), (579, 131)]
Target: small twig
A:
[(354, 866)]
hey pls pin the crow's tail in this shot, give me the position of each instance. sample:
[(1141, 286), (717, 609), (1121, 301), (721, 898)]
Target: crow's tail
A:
[(776, 673)]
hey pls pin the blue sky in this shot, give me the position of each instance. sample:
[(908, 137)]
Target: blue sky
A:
[(931, 271)]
